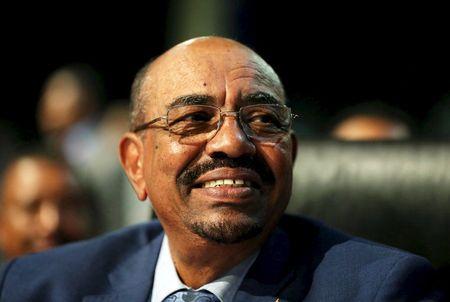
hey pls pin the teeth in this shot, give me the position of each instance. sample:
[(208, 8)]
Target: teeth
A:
[(226, 182)]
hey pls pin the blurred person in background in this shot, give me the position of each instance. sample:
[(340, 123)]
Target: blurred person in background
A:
[(104, 174), (67, 112), (77, 131), (371, 122), (41, 206)]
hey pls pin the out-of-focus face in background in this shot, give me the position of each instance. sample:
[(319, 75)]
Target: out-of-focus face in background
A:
[(362, 127), (63, 103), (41, 207), (70, 95)]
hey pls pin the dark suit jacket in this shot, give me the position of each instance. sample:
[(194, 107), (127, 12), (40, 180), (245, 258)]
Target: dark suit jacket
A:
[(302, 261)]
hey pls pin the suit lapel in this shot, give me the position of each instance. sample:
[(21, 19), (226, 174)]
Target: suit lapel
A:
[(283, 269), (132, 279), (270, 273)]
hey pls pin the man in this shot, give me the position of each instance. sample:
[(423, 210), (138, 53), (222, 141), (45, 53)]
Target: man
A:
[(41, 207), (211, 147)]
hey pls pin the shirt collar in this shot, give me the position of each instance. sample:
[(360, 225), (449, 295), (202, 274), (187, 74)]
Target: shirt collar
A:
[(166, 279)]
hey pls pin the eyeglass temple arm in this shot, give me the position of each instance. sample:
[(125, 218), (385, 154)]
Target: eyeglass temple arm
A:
[(148, 124)]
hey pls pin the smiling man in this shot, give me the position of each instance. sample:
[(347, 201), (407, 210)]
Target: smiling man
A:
[(211, 146)]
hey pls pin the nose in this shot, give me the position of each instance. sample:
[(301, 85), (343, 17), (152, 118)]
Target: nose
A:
[(230, 140), (49, 219)]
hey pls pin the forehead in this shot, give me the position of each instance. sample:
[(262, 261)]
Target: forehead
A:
[(226, 72)]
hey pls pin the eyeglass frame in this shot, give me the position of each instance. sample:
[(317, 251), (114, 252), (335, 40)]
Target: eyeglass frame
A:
[(222, 113)]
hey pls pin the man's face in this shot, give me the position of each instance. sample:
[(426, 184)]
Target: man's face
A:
[(41, 208), (179, 176)]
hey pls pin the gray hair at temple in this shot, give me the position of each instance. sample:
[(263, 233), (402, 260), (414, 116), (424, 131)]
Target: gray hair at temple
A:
[(137, 104)]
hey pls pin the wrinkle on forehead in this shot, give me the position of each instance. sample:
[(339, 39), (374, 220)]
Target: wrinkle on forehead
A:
[(261, 73), (221, 59)]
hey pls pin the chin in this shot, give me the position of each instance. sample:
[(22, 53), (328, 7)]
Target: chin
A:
[(227, 228)]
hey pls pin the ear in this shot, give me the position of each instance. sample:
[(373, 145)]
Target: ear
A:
[(294, 146), (131, 153)]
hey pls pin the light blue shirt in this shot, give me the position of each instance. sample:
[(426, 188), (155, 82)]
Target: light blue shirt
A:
[(166, 280)]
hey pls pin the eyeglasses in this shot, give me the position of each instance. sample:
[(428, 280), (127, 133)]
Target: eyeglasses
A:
[(199, 123)]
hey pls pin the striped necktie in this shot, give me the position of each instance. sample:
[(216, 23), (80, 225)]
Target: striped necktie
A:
[(186, 295)]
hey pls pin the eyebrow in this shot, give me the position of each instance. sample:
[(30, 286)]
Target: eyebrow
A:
[(193, 99), (204, 99), (260, 98)]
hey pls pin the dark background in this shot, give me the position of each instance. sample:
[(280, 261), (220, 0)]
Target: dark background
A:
[(328, 57)]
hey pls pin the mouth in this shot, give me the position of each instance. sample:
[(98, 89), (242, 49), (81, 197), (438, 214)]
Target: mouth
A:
[(228, 186), (231, 183), (229, 178), (235, 183)]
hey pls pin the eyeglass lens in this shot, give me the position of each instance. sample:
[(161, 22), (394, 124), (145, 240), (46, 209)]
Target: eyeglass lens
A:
[(198, 123)]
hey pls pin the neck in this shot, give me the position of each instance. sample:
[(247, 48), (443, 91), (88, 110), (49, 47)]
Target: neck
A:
[(199, 261)]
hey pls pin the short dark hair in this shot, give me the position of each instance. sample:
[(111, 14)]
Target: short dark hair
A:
[(137, 104)]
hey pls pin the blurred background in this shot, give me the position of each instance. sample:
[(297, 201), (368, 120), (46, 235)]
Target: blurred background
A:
[(328, 57), (360, 73)]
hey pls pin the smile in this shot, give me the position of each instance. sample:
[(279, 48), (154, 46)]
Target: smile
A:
[(236, 183), (229, 178)]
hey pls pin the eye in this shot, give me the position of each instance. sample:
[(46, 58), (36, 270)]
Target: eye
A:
[(199, 116), (263, 119), (191, 115)]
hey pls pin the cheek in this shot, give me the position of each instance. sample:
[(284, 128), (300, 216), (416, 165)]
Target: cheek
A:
[(17, 232), (167, 161), (279, 159), (22, 224)]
